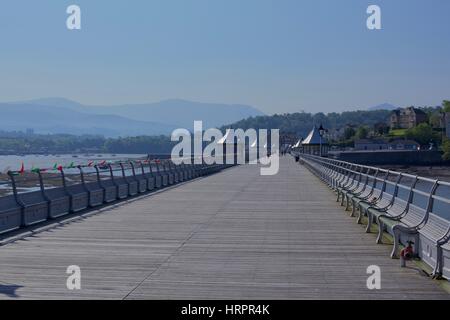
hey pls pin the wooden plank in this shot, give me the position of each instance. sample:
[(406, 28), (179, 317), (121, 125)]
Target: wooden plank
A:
[(234, 235)]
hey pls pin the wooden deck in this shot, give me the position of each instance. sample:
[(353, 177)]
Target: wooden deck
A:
[(233, 235)]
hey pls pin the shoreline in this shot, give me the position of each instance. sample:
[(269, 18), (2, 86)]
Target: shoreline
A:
[(439, 172)]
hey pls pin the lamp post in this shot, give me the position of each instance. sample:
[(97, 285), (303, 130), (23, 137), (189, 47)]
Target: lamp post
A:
[(321, 133)]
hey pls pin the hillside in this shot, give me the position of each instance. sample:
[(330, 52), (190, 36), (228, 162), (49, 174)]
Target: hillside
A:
[(301, 123)]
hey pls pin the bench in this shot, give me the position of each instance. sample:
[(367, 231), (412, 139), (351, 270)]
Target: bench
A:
[(361, 187), (163, 174), (59, 202), (154, 173), (79, 197), (105, 178), (384, 202), (444, 267), (172, 169), (435, 234), (362, 204), (129, 179), (140, 178), (399, 205), (352, 185), (146, 174), (406, 228), (95, 191), (57, 196), (10, 214), (410, 208), (34, 205)]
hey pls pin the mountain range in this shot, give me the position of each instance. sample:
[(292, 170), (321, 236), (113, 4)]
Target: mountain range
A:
[(383, 106), (59, 115)]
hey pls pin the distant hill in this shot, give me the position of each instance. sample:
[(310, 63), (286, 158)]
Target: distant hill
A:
[(383, 106), (50, 120), (59, 115)]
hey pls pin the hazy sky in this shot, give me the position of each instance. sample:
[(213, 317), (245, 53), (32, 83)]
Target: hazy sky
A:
[(280, 55)]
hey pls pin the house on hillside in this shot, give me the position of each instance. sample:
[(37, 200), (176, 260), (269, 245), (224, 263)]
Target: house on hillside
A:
[(407, 118)]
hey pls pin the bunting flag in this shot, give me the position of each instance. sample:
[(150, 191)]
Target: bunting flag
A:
[(102, 165), (35, 170), (22, 169)]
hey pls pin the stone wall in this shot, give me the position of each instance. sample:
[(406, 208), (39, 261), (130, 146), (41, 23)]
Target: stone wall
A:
[(389, 157)]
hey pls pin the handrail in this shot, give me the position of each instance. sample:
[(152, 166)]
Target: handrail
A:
[(348, 172), (89, 185)]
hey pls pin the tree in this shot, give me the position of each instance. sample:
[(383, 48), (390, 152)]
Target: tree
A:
[(381, 128), (423, 134), (446, 105), (349, 133), (362, 133), (435, 119), (446, 149)]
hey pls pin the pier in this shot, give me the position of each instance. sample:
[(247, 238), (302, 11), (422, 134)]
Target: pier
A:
[(231, 235)]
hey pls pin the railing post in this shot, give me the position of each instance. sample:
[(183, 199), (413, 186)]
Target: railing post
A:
[(99, 180), (83, 184), (42, 188), (123, 170), (132, 169), (18, 200), (429, 204)]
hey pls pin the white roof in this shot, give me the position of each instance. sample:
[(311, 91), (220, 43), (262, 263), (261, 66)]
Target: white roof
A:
[(314, 137), (298, 144), (224, 139)]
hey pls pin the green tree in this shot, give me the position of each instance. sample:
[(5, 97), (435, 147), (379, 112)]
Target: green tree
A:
[(423, 134), (446, 149), (349, 133), (446, 105), (362, 132), (381, 128), (435, 119)]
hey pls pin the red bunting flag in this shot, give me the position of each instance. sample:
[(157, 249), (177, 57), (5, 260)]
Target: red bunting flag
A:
[(22, 169)]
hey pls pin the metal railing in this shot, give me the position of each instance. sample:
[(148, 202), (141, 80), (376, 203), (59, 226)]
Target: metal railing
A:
[(413, 209), (43, 194)]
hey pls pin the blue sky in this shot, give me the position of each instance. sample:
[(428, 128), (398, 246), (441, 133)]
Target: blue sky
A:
[(280, 55)]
